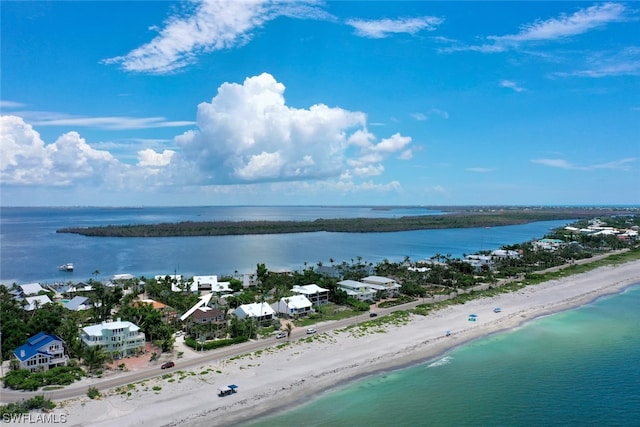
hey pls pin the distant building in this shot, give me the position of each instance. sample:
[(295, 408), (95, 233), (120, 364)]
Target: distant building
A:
[(119, 338), (30, 289), (168, 313), (41, 352)]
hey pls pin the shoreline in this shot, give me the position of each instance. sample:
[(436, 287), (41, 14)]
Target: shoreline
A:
[(285, 376)]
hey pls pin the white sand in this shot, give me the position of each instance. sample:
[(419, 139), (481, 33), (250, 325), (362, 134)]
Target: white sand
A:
[(277, 377)]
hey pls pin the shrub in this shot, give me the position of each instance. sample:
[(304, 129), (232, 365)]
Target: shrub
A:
[(93, 393)]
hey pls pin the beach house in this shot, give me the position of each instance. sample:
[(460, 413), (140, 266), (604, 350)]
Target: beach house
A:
[(78, 303), (384, 286), (262, 312), (35, 302), (41, 352), (314, 293), (293, 306), (119, 338), (358, 290)]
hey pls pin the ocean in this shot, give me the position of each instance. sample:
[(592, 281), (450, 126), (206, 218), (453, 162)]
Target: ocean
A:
[(575, 368), (31, 250)]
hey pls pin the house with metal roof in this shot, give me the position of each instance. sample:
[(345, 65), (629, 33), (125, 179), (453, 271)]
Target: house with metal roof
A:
[(30, 289), (293, 306), (119, 338), (358, 290), (260, 311), (78, 303), (314, 293), (35, 302), (384, 286), (41, 352)]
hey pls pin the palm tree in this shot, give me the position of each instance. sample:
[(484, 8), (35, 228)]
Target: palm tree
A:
[(289, 329), (94, 357)]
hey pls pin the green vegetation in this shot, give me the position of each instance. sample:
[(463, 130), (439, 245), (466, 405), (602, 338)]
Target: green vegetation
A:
[(466, 219), (23, 379), (25, 406), (93, 393), (210, 345)]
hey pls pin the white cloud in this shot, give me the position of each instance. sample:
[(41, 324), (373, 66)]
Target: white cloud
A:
[(432, 112), (109, 123), (26, 160), (511, 85), (623, 164), (247, 133), (623, 63), (377, 29), (480, 170), (209, 26), (419, 116), (562, 27), (5, 105), (149, 158)]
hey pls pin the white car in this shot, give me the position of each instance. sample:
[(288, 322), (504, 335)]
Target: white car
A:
[(281, 335), (311, 330)]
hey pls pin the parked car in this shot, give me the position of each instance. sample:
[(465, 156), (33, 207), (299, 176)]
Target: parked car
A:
[(373, 314), (311, 330), (167, 365), (281, 335)]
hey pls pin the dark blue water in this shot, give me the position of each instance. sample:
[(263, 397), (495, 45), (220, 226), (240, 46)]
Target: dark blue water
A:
[(575, 368), (31, 250)]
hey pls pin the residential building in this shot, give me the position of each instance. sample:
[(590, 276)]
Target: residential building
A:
[(168, 313), (119, 338), (78, 303), (262, 312), (32, 303), (358, 290), (31, 289), (41, 352), (293, 306), (314, 293), (384, 286)]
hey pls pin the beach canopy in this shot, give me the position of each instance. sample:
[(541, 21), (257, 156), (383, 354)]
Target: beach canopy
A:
[(473, 315), (232, 386)]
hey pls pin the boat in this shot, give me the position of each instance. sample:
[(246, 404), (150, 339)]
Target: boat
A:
[(66, 267)]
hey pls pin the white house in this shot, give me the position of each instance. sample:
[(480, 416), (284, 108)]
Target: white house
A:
[(36, 302), (41, 352), (78, 303), (259, 311), (293, 306), (211, 283), (314, 293), (30, 289), (357, 290), (383, 285), (120, 338)]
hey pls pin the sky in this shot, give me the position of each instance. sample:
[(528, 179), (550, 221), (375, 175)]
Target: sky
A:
[(227, 102)]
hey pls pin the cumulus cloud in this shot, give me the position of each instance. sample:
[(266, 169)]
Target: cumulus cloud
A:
[(149, 158), (247, 133), (480, 170), (26, 160), (208, 26), (377, 29)]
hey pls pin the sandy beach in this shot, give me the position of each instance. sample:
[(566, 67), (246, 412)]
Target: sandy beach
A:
[(284, 374)]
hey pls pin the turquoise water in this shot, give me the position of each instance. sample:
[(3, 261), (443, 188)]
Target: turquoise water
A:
[(575, 368)]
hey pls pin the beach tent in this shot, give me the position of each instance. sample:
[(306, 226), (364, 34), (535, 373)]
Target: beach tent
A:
[(473, 317)]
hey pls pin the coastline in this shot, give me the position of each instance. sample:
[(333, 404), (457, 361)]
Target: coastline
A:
[(283, 376)]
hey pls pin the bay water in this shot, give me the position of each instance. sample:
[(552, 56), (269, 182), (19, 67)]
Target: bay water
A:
[(31, 250), (575, 368)]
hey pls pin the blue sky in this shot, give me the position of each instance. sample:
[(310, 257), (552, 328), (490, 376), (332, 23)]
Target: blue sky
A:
[(322, 103)]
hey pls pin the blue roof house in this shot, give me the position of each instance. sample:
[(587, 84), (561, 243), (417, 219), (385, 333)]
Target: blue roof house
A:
[(41, 352)]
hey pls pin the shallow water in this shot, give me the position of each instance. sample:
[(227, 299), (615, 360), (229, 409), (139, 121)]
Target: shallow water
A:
[(578, 367)]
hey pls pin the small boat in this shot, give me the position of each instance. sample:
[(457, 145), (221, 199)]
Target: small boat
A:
[(66, 267)]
